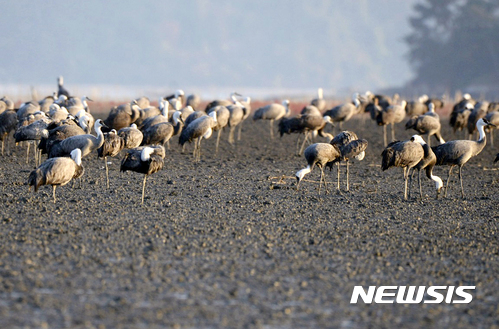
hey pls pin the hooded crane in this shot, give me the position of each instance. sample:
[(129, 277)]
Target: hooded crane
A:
[(405, 154), (57, 172), (344, 112), (144, 160), (122, 116), (8, 123), (86, 143), (318, 154), (246, 103), (35, 131), (132, 137), (237, 114), (60, 88), (351, 147), (458, 152), (272, 112), (223, 115), (197, 130), (58, 132), (426, 124), (391, 115), (427, 163), (319, 102), (112, 146)]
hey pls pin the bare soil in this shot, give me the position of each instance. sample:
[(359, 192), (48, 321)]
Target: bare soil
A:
[(226, 243)]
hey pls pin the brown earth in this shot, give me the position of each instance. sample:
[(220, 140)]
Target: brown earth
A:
[(221, 243)]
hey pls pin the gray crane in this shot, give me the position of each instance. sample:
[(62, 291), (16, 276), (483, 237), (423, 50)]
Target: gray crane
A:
[(86, 143), (223, 116), (351, 147), (458, 152), (344, 112), (197, 130), (57, 172), (143, 160), (112, 146), (391, 115), (318, 154), (426, 124), (58, 132), (427, 163), (35, 131), (406, 155), (272, 112), (319, 102), (122, 116), (60, 87), (8, 123), (131, 136)]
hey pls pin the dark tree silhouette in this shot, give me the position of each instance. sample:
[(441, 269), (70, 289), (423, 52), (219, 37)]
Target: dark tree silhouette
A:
[(454, 44)]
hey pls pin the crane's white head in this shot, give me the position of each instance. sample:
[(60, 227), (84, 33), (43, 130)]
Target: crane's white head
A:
[(176, 117), (438, 183), (213, 114), (431, 107), (179, 93), (320, 93), (467, 96), (133, 125), (60, 80), (483, 123), (145, 155), (80, 113), (98, 124), (327, 118), (62, 99), (403, 103), (301, 173), (285, 102), (418, 139), (423, 98), (247, 100), (76, 156)]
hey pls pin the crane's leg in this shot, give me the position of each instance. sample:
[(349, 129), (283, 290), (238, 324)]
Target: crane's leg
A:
[(405, 183), (348, 183), (303, 144), (218, 140), (231, 135), (27, 153), (53, 192), (384, 135), (320, 182), (492, 137), (239, 130), (297, 143), (168, 144), (271, 121), (393, 132), (324, 178), (3, 144), (338, 177), (448, 178), (107, 172), (199, 149), (143, 188), (420, 188), (461, 180)]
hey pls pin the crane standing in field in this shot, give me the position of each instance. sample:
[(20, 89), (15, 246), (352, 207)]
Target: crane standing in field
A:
[(144, 160), (458, 152), (57, 172), (405, 154)]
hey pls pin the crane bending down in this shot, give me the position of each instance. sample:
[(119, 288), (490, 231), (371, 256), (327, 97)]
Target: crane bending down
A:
[(427, 163), (57, 172), (318, 154)]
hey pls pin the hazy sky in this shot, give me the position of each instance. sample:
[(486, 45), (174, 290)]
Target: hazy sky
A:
[(338, 45)]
